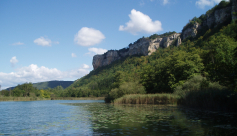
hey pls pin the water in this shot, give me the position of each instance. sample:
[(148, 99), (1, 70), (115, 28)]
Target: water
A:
[(93, 117)]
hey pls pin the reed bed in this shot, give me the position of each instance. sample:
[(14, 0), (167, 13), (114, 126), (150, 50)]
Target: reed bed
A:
[(163, 98)]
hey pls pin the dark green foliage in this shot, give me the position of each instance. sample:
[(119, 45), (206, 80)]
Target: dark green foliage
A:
[(198, 92), (169, 68), (24, 90), (171, 71), (125, 88)]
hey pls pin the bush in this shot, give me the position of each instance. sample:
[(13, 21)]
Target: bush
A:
[(196, 83), (125, 88)]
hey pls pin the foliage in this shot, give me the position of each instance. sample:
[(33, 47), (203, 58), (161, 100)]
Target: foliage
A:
[(169, 72), (28, 90), (212, 54), (125, 88), (201, 93)]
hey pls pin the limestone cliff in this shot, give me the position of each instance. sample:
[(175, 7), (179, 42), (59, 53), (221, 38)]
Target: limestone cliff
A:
[(143, 46), (234, 9), (146, 46), (211, 20)]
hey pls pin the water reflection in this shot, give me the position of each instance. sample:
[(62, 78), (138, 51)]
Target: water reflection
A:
[(95, 118), (157, 120)]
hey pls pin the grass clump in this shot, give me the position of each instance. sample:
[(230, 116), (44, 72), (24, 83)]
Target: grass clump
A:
[(163, 98)]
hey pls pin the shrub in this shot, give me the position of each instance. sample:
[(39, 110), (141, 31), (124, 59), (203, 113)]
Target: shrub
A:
[(125, 88)]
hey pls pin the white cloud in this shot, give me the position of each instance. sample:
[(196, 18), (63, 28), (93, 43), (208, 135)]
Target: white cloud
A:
[(85, 66), (13, 61), (140, 22), (74, 55), (94, 51), (34, 74), (43, 41), (203, 3), (165, 2), (18, 43), (88, 36)]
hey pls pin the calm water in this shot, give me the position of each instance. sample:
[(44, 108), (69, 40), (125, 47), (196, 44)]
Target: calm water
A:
[(93, 117)]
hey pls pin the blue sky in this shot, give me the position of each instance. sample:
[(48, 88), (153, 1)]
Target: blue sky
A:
[(43, 40)]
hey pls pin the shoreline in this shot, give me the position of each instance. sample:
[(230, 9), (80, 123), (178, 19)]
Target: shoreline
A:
[(2, 99)]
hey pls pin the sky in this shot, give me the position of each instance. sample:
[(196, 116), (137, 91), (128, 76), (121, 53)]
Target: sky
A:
[(44, 40)]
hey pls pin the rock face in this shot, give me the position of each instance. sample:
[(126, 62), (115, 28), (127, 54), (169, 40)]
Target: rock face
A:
[(234, 9), (191, 31), (219, 16), (212, 20), (143, 46)]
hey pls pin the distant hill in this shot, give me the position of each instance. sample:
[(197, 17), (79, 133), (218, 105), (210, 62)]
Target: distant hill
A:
[(49, 84), (52, 84)]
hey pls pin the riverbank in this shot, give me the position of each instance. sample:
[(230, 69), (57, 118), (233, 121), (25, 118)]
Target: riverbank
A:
[(54, 98), (211, 99)]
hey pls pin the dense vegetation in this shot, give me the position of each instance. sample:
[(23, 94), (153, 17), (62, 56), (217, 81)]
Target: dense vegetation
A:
[(210, 55), (200, 72), (209, 59), (28, 90)]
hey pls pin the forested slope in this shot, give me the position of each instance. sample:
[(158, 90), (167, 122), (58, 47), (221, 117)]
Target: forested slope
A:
[(212, 54)]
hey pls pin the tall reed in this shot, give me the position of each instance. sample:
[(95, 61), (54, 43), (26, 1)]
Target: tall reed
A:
[(147, 99)]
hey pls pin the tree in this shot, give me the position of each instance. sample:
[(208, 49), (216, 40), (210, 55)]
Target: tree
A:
[(222, 62), (171, 71)]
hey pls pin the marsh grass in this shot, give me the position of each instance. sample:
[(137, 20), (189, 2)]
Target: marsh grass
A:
[(163, 98), (196, 92), (210, 98), (54, 98)]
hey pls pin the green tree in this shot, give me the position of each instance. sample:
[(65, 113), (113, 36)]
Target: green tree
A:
[(222, 62)]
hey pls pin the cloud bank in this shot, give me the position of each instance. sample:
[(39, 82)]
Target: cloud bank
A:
[(88, 37), (33, 73), (140, 23)]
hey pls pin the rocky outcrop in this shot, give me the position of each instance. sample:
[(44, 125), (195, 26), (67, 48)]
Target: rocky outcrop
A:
[(143, 46), (146, 46), (105, 59), (178, 41), (212, 20), (217, 17), (191, 31), (234, 9)]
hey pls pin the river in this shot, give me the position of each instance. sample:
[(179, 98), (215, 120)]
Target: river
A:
[(94, 117)]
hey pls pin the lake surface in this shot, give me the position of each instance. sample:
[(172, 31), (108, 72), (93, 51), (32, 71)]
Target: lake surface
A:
[(94, 117)]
